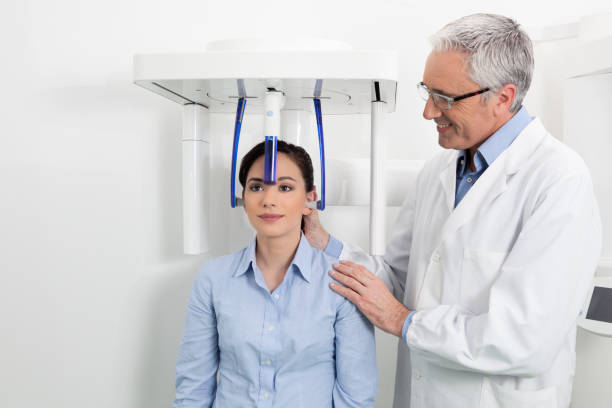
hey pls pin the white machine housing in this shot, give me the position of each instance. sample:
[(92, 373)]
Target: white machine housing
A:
[(595, 325), (214, 80)]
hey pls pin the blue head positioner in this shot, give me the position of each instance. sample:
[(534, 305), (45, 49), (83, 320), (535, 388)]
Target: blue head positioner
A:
[(270, 159), (271, 144)]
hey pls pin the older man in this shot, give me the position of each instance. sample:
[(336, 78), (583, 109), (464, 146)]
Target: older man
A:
[(495, 247)]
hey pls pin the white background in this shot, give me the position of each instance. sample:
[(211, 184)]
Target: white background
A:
[(93, 282)]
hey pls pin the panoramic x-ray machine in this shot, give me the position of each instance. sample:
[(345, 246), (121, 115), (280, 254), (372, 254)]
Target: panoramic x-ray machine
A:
[(280, 80)]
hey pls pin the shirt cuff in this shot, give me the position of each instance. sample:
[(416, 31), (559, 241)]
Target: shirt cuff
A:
[(407, 324), (334, 247)]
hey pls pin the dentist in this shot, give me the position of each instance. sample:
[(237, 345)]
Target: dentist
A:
[(495, 247)]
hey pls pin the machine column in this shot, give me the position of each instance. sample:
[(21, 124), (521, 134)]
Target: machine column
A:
[(196, 183), (377, 182)]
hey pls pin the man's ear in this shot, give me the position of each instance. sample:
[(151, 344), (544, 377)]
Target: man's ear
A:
[(506, 95)]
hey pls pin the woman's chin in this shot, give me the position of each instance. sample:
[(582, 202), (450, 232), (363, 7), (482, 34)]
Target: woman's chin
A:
[(276, 231)]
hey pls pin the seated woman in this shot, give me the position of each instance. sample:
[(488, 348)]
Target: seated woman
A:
[(265, 318)]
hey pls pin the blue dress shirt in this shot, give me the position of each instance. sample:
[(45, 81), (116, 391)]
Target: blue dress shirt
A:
[(485, 155), (488, 152), (302, 345)]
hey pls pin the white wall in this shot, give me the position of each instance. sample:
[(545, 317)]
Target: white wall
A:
[(93, 283), (587, 99)]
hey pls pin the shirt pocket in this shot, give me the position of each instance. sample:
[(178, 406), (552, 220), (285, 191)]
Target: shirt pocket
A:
[(480, 269), (497, 396)]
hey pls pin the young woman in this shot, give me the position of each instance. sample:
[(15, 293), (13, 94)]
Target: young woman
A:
[(265, 319)]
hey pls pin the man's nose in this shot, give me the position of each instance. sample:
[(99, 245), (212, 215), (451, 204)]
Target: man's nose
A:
[(431, 111)]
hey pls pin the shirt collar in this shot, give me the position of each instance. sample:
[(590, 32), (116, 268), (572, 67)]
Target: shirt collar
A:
[(496, 143), (480, 162), (301, 260)]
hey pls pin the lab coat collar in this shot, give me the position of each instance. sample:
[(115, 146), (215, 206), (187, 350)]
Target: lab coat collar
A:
[(493, 181)]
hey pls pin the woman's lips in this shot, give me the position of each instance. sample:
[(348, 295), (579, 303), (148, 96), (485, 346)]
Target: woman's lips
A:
[(270, 217)]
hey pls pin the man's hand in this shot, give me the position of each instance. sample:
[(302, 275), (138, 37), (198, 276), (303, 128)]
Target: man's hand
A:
[(314, 232), (369, 293)]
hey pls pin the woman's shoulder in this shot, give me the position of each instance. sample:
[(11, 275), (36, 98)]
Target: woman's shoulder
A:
[(322, 260), (221, 267), (322, 263)]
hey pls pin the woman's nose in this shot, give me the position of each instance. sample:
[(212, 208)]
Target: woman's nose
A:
[(431, 111), (269, 198)]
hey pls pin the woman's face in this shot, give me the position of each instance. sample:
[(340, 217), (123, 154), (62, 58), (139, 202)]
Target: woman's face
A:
[(276, 210)]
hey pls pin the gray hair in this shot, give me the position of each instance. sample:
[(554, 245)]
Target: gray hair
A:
[(498, 52)]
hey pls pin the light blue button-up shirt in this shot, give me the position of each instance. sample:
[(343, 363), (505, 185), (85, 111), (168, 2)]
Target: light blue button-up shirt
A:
[(488, 152), (485, 155), (302, 345)]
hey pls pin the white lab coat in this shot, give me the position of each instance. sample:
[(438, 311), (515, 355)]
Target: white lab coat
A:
[(497, 282)]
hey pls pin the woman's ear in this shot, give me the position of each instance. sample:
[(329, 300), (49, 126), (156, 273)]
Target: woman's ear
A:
[(243, 203), (310, 196), (315, 197)]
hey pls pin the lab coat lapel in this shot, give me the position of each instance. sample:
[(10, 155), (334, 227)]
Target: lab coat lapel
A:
[(448, 178), (492, 182)]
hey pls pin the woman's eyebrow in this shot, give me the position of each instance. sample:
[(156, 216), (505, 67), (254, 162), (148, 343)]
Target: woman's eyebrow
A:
[(258, 180)]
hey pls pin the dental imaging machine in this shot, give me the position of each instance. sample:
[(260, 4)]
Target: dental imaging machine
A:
[(596, 314), (281, 80)]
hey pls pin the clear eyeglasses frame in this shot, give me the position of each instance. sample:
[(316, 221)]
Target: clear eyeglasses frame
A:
[(444, 102)]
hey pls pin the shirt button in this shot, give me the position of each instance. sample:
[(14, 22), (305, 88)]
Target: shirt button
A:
[(268, 362), (469, 180), (417, 374), (271, 328), (276, 296), (266, 395), (436, 257)]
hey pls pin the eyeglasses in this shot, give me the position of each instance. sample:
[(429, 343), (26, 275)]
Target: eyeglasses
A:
[(444, 102)]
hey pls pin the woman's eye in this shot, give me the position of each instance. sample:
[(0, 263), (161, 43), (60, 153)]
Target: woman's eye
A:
[(285, 188), (256, 187)]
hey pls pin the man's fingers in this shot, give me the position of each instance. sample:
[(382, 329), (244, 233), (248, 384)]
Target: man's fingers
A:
[(355, 271), (343, 291), (311, 216), (348, 264), (360, 269), (347, 281), (314, 231)]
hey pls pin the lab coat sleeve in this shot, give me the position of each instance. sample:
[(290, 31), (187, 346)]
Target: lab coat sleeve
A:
[(356, 372), (534, 302), (393, 266), (198, 357)]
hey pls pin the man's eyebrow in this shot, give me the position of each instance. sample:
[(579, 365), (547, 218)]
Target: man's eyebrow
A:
[(440, 91), (437, 90)]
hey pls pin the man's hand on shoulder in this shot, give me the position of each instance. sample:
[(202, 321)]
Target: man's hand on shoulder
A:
[(371, 296)]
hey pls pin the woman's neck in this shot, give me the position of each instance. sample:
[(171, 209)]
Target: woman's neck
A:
[(274, 255)]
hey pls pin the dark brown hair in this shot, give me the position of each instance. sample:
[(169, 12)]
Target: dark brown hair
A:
[(297, 155)]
